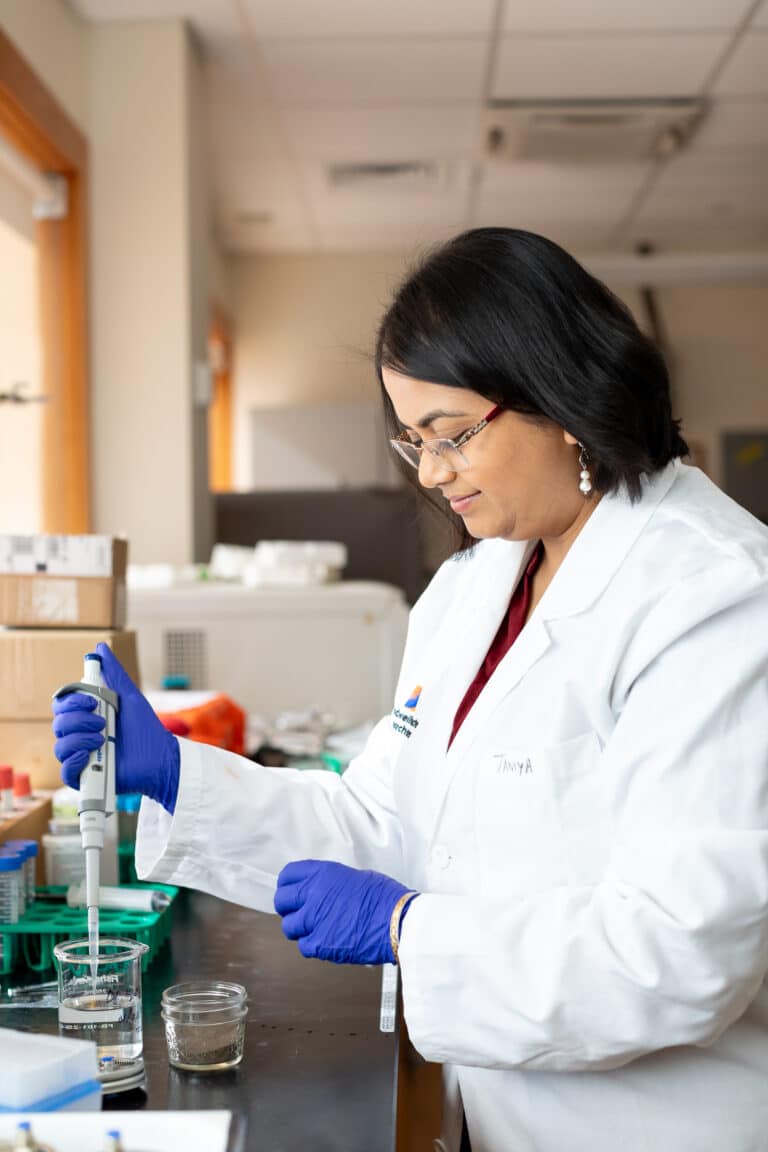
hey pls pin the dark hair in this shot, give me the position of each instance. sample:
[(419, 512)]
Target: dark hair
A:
[(512, 316)]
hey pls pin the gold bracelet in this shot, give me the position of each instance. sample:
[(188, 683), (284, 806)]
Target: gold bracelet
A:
[(394, 923)]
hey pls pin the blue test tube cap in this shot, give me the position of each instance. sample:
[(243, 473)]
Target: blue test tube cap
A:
[(93, 656), (10, 861), (25, 848)]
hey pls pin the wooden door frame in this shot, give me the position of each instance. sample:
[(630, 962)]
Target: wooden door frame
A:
[(34, 122), (220, 408)]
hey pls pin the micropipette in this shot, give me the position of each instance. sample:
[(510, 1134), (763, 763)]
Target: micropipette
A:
[(97, 792)]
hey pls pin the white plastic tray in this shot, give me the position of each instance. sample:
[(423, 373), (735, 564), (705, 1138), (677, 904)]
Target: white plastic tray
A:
[(141, 1131)]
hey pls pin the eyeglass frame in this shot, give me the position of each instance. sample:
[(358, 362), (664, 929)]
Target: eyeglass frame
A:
[(399, 441)]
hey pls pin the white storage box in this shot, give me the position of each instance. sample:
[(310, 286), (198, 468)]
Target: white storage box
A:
[(47, 1073)]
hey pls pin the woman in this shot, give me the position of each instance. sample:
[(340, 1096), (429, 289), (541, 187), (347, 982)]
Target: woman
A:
[(566, 813)]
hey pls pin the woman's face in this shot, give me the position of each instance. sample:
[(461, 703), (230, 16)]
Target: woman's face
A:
[(522, 482)]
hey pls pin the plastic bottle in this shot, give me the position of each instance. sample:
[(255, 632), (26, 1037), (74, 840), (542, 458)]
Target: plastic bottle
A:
[(28, 850), (24, 1138), (11, 883), (6, 790)]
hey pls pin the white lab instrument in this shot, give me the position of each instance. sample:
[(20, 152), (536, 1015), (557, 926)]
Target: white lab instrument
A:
[(332, 648), (97, 789)]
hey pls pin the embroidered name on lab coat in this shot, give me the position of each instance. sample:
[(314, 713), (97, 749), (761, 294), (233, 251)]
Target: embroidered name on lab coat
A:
[(505, 767)]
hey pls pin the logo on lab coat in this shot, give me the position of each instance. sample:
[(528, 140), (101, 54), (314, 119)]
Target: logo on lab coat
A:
[(413, 699), (404, 723)]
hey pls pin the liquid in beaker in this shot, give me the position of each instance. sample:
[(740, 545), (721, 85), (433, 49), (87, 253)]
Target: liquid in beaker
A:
[(109, 1011)]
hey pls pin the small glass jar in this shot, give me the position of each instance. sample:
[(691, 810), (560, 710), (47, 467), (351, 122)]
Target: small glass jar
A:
[(205, 1025)]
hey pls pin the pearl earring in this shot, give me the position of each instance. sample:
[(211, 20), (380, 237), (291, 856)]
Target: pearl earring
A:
[(585, 478)]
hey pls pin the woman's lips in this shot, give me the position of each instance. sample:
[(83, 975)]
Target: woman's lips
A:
[(461, 503)]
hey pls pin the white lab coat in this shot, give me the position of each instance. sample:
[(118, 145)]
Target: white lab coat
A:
[(590, 950)]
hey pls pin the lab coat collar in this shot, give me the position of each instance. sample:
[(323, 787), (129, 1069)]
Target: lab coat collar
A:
[(600, 548)]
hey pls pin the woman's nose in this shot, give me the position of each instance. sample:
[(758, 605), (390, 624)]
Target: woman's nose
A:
[(430, 467)]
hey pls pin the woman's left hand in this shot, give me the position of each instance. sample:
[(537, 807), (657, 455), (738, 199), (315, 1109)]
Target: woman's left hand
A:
[(337, 913)]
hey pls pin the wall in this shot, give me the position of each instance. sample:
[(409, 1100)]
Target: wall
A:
[(55, 42), (149, 288), (304, 328), (302, 323), (719, 339)]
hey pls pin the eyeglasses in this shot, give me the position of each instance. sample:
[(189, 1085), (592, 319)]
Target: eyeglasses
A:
[(447, 453)]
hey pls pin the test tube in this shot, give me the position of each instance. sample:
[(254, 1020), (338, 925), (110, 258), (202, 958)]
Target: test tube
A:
[(28, 850), (123, 899), (6, 790), (11, 881)]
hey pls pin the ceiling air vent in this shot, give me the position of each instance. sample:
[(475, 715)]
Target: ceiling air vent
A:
[(574, 132), (396, 176)]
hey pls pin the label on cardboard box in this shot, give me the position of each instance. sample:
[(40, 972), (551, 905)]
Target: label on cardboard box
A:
[(56, 555)]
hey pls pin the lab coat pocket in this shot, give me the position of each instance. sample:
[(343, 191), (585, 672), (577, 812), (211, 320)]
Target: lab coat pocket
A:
[(538, 812)]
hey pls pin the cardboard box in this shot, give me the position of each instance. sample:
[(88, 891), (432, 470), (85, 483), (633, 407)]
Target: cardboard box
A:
[(28, 746), (30, 823), (63, 581), (35, 662)]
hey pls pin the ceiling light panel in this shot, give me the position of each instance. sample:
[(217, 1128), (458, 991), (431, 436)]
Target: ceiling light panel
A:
[(270, 19), (617, 66), (376, 73), (628, 15), (746, 72)]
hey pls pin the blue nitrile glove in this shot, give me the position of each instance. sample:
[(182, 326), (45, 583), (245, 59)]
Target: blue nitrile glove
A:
[(337, 913), (147, 755)]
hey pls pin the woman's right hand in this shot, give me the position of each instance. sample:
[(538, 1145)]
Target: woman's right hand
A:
[(147, 755)]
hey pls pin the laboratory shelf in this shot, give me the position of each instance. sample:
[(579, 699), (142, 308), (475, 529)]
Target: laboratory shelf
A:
[(49, 920)]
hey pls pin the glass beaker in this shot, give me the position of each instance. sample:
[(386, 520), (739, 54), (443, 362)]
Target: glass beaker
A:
[(104, 1005)]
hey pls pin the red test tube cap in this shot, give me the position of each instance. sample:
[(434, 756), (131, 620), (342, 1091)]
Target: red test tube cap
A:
[(6, 777), (22, 785)]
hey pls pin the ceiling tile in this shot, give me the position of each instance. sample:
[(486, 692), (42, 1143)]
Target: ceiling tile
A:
[(709, 188), (211, 18), (387, 235), (733, 126), (608, 15), (746, 72), (381, 133), (691, 234), (558, 192), (383, 72), (307, 19), (583, 67)]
